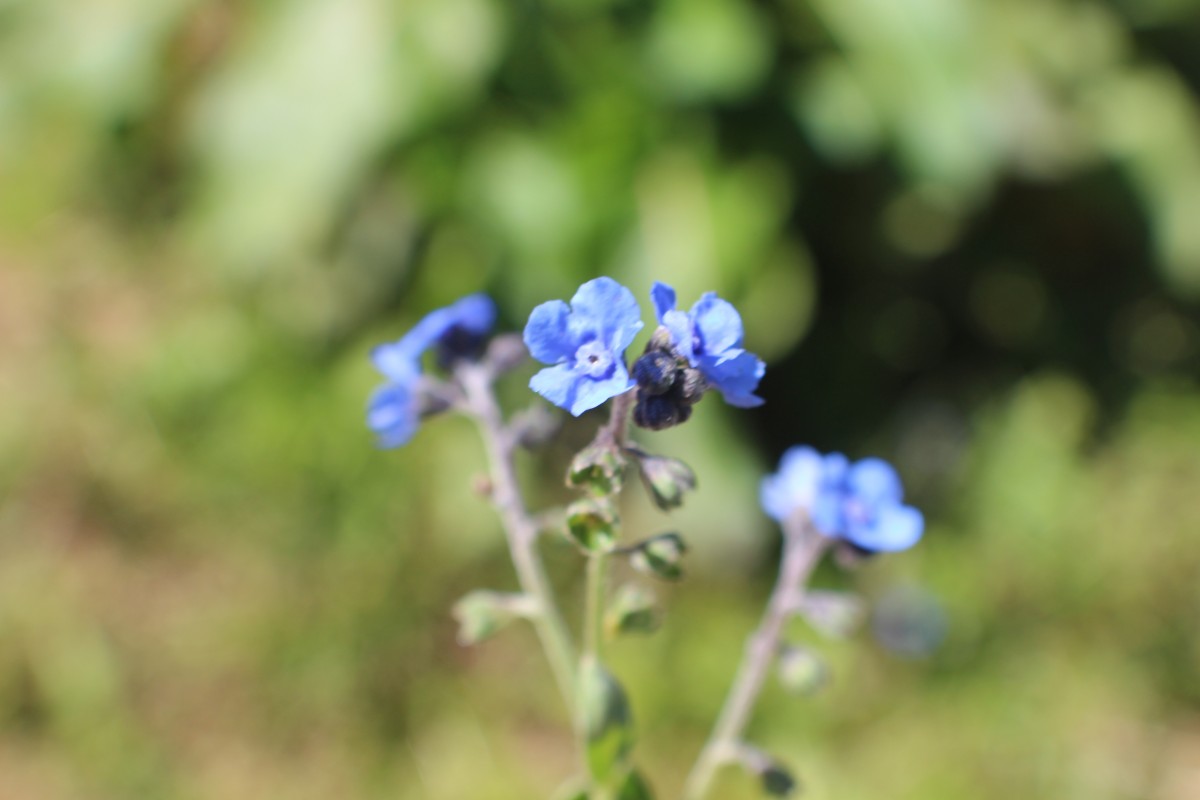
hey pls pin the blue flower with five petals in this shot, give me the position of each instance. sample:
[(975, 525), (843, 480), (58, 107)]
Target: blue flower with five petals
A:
[(456, 331), (860, 503), (710, 338), (585, 344)]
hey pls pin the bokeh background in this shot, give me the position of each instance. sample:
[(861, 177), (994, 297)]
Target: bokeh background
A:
[(964, 234)]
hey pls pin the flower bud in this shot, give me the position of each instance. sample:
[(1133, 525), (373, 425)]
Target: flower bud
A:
[(632, 611), (835, 614), (590, 525), (660, 556), (506, 352), (775, 778), (482, 613), (666, 479), (801, 670), (459, 343), (655, 372), (598, 467), (658, 412)]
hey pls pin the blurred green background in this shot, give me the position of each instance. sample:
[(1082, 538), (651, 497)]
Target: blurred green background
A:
[(964, 234)]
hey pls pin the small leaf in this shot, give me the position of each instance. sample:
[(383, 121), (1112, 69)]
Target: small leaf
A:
[(635, 788), (482, 613), (598, 468), (590, 524), (835, 614), (632, 611), (801, 670), (607, 721), (660, 556)]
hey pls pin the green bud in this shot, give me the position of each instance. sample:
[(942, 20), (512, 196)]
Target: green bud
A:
[(591, 525), (482, 613), (776, 779), (598, 468), (632, 611), (660, 556), (835, 614), (666, 479), (801, 670), (607, 722)]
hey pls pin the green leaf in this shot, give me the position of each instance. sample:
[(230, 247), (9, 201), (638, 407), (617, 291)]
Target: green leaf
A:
[(590, 524), (607, 721)]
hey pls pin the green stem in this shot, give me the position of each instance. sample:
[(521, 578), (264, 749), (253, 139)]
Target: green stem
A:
[(802, 550), (521, 529)]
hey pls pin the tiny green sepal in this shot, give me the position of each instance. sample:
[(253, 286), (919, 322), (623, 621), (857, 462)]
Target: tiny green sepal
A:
[(801, 670), (660, 556), (632, 611), (591, 525), (599, 468), (666, 479), (607, 722), (482, 613)]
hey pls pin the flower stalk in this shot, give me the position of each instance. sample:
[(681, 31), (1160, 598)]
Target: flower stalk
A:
[(802, 550), (521, 529)]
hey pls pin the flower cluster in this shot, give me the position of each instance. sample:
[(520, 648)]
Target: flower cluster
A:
[(455, 332), (689, 353), (859, 503)]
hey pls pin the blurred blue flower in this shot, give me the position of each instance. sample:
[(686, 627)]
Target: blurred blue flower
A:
[(585, 344), (393, 412), (457, 331), (859, 503), (710, 338)]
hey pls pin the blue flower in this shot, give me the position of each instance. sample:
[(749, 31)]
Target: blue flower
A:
[(860, 503), (456, 331), (710, 338), (585, 344), (393, 412)]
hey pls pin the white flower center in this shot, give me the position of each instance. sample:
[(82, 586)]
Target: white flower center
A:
[(594, 359)]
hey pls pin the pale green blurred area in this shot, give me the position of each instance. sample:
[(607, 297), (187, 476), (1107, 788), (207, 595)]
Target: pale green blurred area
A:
[(212, 585)]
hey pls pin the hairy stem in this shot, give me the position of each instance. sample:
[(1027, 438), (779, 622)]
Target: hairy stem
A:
[(521, 529), (802, 549)]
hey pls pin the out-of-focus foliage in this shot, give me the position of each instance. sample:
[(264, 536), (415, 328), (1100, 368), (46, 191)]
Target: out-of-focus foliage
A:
[(964, 234)]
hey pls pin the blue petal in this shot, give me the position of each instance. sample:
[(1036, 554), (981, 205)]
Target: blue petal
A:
[(794, 486), (426, 332), (606, 310), (735, 377), (718, 324), (590, 393), (874, 482), (547, 335), (896, 527), (556, 384), (680, 328), (827, 514), (663, 297), (397, 361), (392, 414), (475, 312)]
